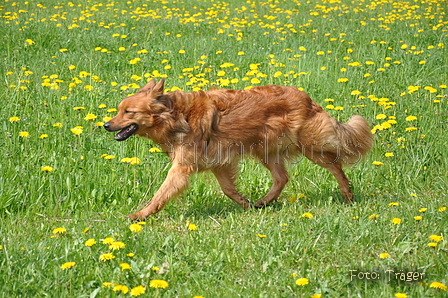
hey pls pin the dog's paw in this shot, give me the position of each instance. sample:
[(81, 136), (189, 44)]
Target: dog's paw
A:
[(259, 205), (136, 216)]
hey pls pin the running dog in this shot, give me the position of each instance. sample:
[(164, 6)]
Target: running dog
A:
[(212, 130)]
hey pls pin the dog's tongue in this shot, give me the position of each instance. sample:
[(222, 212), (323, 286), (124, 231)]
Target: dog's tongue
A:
[(126, 132)]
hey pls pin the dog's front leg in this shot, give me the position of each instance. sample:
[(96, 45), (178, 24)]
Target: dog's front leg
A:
[(176, 181)]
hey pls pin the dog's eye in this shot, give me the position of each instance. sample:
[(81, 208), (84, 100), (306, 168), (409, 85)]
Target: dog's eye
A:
[(128, 112)]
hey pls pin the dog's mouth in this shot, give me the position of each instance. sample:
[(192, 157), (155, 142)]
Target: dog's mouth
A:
[(126, 132)]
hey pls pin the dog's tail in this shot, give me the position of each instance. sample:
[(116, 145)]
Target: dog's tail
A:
[(355, 139)]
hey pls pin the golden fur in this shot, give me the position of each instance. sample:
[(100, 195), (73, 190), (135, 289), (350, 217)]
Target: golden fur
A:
[(212, 130)]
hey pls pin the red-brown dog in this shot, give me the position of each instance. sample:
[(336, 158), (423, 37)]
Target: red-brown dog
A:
[(211, 130)]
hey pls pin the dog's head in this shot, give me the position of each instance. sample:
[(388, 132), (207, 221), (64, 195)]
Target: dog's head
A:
[(140, 112)]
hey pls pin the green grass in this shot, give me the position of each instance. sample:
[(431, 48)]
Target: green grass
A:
[(384, 49)]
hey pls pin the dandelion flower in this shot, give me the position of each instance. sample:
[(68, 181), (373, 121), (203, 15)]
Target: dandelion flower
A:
[(192, 227), (307, 215), (24, 134), (120, 288), (436, 238), (158, 284), (316, 296), (137, 291), (108, 240), (47, 169), (302, 281), (116, 245), (59, 231), (107, 257), (155, 268), (417, 218), (432, 244), (76, 130), (14, 119), (384, 255), (68, 265), (135, 228), (381, 116), (392, 204), (396, 221), (411, 118), (442, 209), (373, 217), (90, 117), (261, 236), (130, 254), (90, 242), (438, 285), (388, 154), (378, 163), (401, 295), (155, 150), (125, 266), (43, 136), (411, 129)]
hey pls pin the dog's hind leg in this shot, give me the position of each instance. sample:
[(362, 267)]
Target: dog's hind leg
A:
[(176, 181), (226, 176), (329, 161), (280, 178)]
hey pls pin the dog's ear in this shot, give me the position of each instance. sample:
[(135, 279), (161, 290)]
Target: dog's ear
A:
[(158, 89), (149, 86)]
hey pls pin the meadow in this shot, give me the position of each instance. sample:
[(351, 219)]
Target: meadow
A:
[(67, 185)]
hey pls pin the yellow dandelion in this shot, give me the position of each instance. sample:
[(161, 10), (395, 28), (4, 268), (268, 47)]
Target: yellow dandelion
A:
[(76, 130), (59, 231), (47, 169), (432, 244), (43, 136), (396, 221), (436, 238), (192, 227), (90, 242), (392, 204), (411, 118), (125, 266), (120, 288), (316, 296), (116, 245), (24, 134), (90, 117), (384, 255), (14, 119), (417, 218), (68, 265), (108, 240), (135, 228), (388, 154), (155, 150), (307, 215), (438, 285), (442, 209), (378, 163), (107, 257), (401, 295), (158, 284), (137, 291), (261, 236), (302, 281), (373, 217)]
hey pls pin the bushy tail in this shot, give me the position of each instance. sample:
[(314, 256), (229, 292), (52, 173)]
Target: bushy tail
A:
[(356, 140)]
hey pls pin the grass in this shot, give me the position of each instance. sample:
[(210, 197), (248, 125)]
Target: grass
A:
[(384, 60)]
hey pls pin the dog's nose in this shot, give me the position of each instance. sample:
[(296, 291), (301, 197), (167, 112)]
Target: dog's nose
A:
[(107, 125)]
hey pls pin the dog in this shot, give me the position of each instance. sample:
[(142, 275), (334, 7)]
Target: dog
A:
[(212, 130)]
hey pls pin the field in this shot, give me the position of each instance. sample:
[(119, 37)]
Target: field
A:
[(67, 185)]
